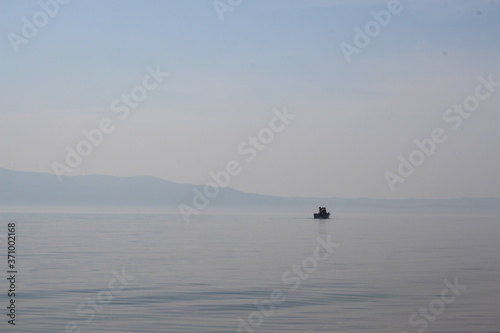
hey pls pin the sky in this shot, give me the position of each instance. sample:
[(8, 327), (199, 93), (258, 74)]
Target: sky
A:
[(376, 99)]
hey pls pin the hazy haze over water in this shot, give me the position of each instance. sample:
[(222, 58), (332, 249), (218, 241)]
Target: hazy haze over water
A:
[(353, 119), (132, 106)]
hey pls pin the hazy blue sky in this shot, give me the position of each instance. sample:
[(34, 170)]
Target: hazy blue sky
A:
[(353, 120)]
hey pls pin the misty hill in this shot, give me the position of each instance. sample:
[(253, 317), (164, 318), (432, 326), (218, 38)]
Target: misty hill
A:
[(32, 189), (19, 188)]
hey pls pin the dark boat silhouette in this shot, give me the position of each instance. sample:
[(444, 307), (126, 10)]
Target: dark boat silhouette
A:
[(322, 214)]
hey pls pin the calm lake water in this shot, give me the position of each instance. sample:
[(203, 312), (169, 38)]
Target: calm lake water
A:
[(254, 273)]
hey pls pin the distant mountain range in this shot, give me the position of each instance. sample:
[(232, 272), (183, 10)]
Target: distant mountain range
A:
[(20, 190)]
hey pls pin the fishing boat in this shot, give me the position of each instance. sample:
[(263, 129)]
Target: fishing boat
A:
[(322, 214)]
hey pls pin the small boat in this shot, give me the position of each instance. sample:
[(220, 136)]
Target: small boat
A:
[(322, 214)]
